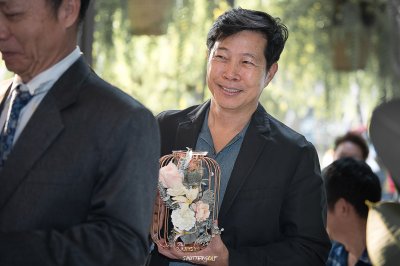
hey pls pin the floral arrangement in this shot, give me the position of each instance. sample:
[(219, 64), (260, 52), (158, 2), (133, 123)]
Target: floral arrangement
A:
[(187, 181)]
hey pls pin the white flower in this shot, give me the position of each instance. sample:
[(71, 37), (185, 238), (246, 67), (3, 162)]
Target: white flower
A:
[(180, 199), (183, 218), (179, 190), (191, 194), (183, 195)]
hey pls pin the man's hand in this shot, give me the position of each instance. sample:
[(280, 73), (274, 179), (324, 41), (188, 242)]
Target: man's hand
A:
[(215, 253)]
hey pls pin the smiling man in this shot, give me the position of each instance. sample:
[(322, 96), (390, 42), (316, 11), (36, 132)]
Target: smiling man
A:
[(273, 202), (78, 157)]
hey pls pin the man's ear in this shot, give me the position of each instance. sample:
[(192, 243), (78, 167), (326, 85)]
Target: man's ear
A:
[(271, 73), (343, 207), (68, 12)]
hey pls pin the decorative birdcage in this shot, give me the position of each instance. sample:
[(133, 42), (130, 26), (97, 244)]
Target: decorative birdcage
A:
[(188, 201)]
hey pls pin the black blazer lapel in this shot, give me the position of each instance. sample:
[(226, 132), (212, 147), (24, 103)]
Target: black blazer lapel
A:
[(254, 142), (188, 131)]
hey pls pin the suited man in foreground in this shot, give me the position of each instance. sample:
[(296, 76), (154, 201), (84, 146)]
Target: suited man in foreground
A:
[(79, 158), (273, 202)]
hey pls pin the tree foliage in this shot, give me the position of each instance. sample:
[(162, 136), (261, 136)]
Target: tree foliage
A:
[(164, 72), (308, 93), (168, 71)]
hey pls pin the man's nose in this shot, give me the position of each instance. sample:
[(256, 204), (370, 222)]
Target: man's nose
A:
[(232, 70), (4, 30)]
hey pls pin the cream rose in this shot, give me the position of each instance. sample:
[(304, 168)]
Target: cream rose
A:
[(202, 210), (178, 190), (191, 194), (170, 177), (183, 218)]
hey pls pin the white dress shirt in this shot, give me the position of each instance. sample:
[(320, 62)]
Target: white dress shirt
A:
[(38, 87)]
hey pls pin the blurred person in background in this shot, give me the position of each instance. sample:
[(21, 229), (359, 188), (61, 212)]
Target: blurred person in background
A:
[(349, 183), (354, 145), (350, 145)]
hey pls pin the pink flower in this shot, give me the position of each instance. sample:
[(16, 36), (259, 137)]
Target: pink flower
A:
[(169, 176), (202, 210)]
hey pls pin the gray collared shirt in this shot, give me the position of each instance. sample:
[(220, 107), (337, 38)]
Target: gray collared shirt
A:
[(226, 158)]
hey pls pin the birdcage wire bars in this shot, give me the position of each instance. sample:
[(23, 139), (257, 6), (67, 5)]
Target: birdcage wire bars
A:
[(201, 182)]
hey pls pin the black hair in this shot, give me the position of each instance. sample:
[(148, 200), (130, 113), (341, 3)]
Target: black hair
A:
[(55, 4), (355, 139), (238, 19), (352, 180)]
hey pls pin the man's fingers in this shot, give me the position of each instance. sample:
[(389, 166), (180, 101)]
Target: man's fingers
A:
[(170, 252)]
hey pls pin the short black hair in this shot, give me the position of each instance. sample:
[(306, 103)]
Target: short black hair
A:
[(352, 180), (356, 139), (55, 4), (239, 19)]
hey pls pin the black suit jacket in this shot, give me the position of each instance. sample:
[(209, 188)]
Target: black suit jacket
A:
[(79, 185), (273, 211)]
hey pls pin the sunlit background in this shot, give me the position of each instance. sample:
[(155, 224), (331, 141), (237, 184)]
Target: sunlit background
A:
[(338, 64)]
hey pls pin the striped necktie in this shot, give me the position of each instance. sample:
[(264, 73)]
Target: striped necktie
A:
[(18, 100)]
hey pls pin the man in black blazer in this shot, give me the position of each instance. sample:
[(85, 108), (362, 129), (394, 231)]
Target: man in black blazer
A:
[(78, 186), (273, 208)]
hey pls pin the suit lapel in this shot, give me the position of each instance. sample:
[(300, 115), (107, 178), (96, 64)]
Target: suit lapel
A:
[(29, 147), (41, 130), (254, 142), (188, 131), (185, 136), (5, 87)]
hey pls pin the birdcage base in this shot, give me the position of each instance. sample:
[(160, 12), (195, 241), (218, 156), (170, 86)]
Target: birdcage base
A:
[(188, 247)]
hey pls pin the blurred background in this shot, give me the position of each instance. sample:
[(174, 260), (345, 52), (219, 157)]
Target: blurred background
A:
[(341, 60)]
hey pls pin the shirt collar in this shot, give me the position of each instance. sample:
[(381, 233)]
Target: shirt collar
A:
[(45, 80), (205, 132)]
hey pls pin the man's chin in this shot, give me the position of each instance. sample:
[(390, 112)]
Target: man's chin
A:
[(11, 66), (11, 61)]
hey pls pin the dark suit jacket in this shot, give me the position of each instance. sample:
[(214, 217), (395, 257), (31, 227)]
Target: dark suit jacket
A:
[(79, 185), (273, 210)]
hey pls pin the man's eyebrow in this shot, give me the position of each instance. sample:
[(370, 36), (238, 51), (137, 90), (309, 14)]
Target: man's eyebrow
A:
[(250, 55), (221, 48), (243, 54)]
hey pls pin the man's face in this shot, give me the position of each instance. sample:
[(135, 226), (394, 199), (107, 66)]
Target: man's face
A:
[(339, 219), (236, 71), (334, 224), (348, 149), (32, 38)]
